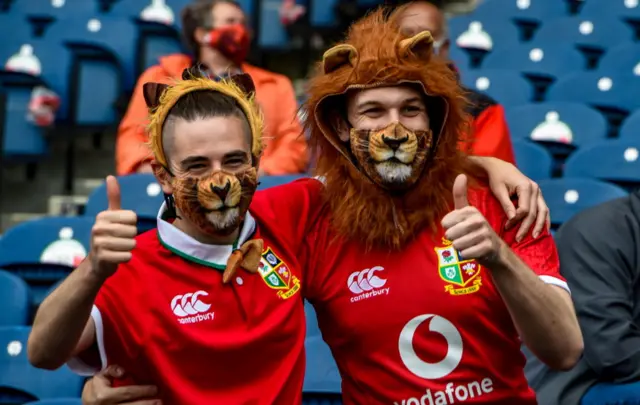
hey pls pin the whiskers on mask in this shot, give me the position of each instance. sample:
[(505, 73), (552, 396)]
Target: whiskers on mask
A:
[(392, 157)]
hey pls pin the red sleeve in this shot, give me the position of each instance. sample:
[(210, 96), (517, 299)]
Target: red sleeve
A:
[(290, 209), (491, 135), (539, 254), (115, 313), (118, 333)]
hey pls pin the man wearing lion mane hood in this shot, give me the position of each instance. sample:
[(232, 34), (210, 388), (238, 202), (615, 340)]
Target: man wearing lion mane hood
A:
[(421, 293)]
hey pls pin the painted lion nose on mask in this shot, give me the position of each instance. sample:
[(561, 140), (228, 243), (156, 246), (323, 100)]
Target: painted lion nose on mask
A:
[(394, 143), (221, 192)]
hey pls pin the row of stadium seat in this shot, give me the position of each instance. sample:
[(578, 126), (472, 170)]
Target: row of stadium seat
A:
[(21, 383), (613, 93)]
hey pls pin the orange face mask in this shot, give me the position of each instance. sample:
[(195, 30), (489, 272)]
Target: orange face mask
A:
[(217, 203), (232, 41)]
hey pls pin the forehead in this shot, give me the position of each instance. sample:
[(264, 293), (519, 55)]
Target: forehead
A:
[(227, 11), (211, 137), (384, 95), (420, 17)]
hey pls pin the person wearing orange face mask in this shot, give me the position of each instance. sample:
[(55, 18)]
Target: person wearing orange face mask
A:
[(215, 32)]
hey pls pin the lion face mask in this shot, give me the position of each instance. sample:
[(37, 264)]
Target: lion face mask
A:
[(392, 157), (216, 204), (384, 186)]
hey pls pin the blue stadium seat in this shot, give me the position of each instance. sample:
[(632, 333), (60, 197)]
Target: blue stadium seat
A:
[(322, 382), (107, 37), (272, 34), (506, 86), (140, 193), (460, 57), (630, 128), (157, 40), (536, 11), (55, 9), (605, 91), (23, 140), (55, 61), (533, 160), (596, 33), (17, 26), (55, 246), (322, 13), (610, 8), (15, 300), (272, 181), (614, 161), (60, 401), (624, 58), (568, 196), (21, 382), (546, 60), (312, 321), (477, 31), (572, 123)]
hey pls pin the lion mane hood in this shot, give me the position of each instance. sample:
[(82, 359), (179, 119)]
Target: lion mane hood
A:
[(376, 54)]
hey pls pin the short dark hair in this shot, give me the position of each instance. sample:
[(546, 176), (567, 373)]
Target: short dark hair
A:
[(195, 15), (204, 104)]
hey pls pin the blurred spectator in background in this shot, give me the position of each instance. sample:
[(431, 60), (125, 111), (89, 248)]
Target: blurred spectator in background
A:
[(599, 258), (215, 32), (490, 134)]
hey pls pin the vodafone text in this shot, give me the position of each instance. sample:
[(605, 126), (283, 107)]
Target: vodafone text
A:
[(452, 394)]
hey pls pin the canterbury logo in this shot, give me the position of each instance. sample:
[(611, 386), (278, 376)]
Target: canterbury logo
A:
[(365, 280), (189, 304)]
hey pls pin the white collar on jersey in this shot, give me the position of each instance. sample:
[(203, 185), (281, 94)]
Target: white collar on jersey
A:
[(183, 245)]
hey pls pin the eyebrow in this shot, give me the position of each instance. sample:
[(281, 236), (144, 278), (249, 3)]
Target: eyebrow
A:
[(192, 159), (236, 153), (373, 103)]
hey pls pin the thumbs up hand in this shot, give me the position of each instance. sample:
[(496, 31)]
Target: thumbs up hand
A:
[(469, 230), (113, 234)]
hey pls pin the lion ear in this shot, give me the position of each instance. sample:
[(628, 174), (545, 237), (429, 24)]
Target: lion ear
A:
[(152, 93), (338, 56), (420, 45)]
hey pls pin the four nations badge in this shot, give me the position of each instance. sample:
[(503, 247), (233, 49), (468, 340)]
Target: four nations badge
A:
[(277, 275), (462, 276)]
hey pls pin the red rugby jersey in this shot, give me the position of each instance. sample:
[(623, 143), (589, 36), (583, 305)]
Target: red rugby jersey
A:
[(168, 320), (422, 326)]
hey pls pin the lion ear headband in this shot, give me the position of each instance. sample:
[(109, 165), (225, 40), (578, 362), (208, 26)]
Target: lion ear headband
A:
[(160, 99), (153, 91)]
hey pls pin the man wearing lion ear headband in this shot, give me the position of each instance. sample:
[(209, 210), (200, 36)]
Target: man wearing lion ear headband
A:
[(208, 306)]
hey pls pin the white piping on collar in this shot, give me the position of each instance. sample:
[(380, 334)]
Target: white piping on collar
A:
[(216, 255)]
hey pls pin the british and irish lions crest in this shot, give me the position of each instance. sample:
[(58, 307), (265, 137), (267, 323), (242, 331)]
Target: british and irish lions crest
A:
[(463, 276), (277, 275)]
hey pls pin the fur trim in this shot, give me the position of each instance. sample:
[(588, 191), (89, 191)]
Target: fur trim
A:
[(360, 209)]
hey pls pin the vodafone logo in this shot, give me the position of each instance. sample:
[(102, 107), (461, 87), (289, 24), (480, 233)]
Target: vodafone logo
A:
[(420, 367), (367, 284), (190, 309), (447, 392)]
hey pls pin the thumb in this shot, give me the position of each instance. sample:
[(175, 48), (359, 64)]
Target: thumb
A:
[(113, 194), (460, 199)]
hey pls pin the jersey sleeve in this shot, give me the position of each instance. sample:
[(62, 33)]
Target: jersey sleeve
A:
[(118, 333), (539, 254), (290, 210)]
